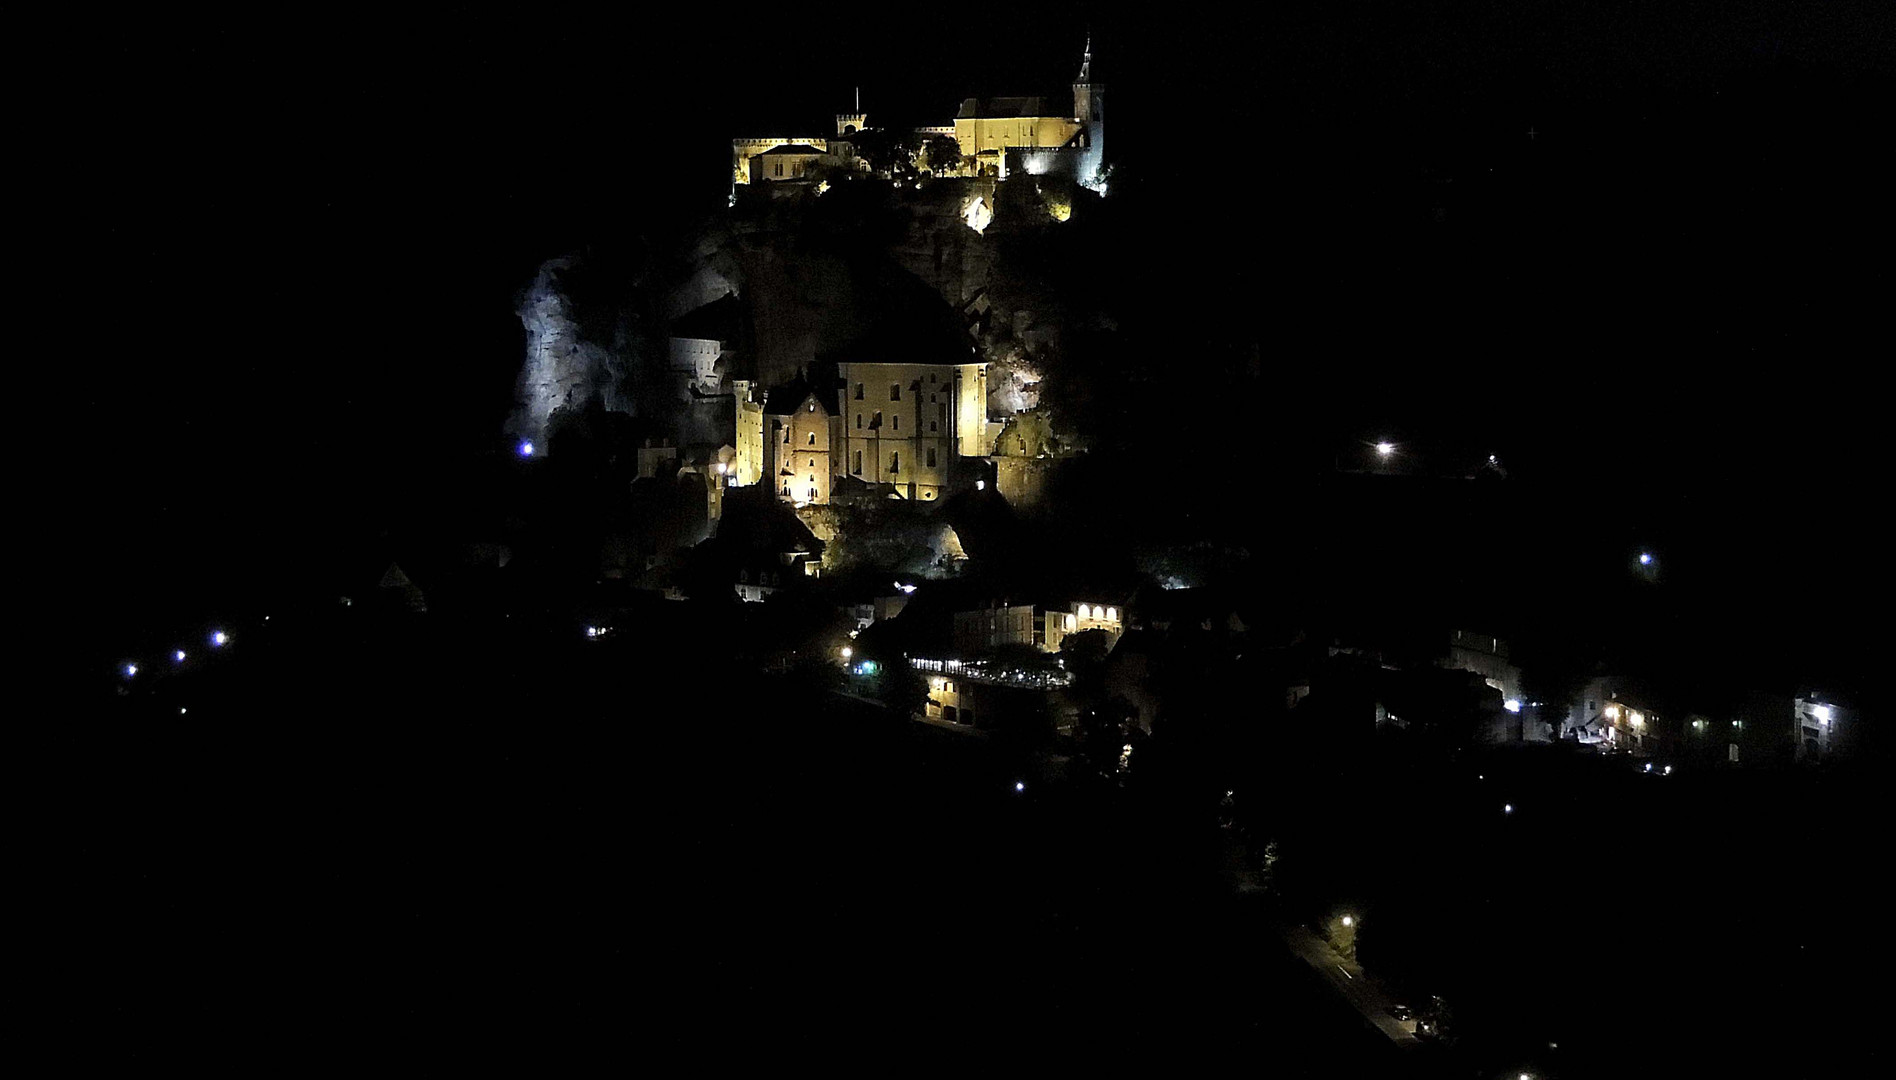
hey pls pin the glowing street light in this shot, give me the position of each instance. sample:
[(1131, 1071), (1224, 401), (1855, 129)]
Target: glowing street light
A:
[(1020, 785), (1512, 705), (1645, 558), (1823, 714), (220, 639), (1349, 920), (131, 670), (1384, 449), (1507, 808), (178, 656), (848, 652), (526, 449)]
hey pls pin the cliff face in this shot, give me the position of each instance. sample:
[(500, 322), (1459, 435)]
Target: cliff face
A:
[(901, 270), (564, 366)]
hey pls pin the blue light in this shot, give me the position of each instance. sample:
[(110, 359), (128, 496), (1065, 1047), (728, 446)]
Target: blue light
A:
[(178, 656), (1020, 785), (131, 670), (1645, 559), (526, 449), (220, 638)]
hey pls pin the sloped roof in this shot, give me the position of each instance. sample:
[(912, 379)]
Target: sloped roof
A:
[(1001, 108), (794, 148), (789, 397)]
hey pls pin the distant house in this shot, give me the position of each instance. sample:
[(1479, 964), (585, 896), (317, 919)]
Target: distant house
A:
[(703, 346)]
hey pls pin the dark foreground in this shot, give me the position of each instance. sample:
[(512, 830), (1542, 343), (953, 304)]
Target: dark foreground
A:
[(424, 851)]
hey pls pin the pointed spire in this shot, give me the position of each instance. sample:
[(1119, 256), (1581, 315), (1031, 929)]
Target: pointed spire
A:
[(1086, 61)]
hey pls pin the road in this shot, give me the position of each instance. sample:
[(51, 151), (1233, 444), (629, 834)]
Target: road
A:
[(1355, 985)]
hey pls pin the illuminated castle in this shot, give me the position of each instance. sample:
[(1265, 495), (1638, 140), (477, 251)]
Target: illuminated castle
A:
[(999, 137)]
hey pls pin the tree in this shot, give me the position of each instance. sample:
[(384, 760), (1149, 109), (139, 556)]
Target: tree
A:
[(942, 155), (1084, 654)]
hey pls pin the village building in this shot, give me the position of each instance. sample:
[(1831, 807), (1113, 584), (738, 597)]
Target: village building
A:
[(797, 441), (905, 424)]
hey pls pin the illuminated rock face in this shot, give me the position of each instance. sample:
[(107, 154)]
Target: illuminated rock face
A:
[(561, 367)]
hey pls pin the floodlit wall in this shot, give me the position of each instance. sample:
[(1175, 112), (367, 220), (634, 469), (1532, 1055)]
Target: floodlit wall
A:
[(976, 134), (748, 439), (800, 454), (745, 151), (902, 422)]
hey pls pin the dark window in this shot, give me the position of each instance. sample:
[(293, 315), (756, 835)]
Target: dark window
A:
[(895, 461), (858, 391), (812, 438), (895, 391), (931, 457), (858, 469), (858, 421), (895, 422), (932, 427)]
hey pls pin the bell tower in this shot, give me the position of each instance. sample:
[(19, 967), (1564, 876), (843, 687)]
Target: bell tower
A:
[(1089, 110)]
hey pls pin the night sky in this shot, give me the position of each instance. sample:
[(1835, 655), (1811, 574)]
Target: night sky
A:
[(292, 245)]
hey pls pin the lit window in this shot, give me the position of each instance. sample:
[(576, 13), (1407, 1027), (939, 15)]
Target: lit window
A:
[(1112, 614)]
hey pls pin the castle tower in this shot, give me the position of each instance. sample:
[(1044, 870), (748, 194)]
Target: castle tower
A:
[(1089, 109), (850, 123)]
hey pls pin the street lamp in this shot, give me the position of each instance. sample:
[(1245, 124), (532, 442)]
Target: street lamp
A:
[(1384, 449)]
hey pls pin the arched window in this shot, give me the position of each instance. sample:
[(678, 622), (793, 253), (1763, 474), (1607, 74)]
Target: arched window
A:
[(1112, 614), (812, 438)]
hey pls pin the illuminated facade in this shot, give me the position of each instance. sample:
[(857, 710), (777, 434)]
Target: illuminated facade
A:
[(1024, 624), (1814, 728), (797, 439), (1001, 135), (903, 424), (748, 439)]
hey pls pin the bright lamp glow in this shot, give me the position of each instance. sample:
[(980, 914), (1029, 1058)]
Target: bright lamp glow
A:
[(1823, 714), (178, 656), (848, 652), (1385, 449), (1348, 921), (1507, 808), (1645, 558), (131, 670), (1020, 785), (220, 638), (526, 449), (1511, 705)]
